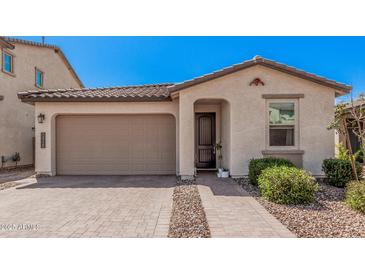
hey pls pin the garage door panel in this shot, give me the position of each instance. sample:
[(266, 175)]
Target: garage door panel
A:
[(115, 144)]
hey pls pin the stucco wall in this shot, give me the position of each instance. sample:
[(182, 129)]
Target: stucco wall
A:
[(226, 135), (243, 119), (17, 118), (46, 157), (248, 117)]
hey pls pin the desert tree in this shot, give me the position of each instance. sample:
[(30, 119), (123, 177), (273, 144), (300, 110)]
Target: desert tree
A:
[(351, 116)]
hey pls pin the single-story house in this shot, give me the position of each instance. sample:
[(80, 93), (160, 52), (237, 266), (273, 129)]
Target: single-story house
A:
[(255, 109)]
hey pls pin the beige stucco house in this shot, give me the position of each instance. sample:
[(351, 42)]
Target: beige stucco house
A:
[(256, 108), (26, 65)]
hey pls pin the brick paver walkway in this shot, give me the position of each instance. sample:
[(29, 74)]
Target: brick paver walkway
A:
[(231, 212), (88, 206)]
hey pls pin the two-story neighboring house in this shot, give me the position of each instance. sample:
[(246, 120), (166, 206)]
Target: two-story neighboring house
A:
[(26, 65)]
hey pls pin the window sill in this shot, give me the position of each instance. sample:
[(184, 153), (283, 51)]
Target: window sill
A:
[(287, 151), (8, 73)]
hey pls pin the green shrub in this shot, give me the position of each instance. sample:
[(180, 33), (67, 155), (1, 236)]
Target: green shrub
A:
[(256, 166), (339, 171), (287, 185), (355, 195)]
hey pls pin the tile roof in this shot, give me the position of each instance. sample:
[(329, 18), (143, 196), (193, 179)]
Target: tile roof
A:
[(355, 103), (258, 60), (54, 47), (162, 92), (142, 93), (5, 44)]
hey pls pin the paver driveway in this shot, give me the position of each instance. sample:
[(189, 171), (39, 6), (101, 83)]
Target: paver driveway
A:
[(88, 206), (232, 212)]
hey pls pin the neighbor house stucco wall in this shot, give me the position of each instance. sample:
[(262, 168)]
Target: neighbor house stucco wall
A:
[(46, 157), (17, 118), (247, 117)]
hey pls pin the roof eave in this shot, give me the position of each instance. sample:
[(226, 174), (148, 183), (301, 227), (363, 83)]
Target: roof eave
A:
[(6, 44), (58, 50), (69, 67), (341, 89), (90, 100)]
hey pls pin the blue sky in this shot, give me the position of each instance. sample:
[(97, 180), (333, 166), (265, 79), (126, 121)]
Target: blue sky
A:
[(115, 61)]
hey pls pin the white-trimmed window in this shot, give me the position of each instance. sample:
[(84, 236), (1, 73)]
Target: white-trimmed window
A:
[(282, 123), (39, 78), (8, 63)]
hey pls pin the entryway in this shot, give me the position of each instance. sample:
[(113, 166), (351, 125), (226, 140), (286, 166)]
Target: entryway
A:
[(205, 139), (212, 131)]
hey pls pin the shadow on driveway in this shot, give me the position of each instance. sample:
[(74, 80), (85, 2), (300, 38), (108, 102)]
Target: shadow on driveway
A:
[(220, 186), (148, 181)]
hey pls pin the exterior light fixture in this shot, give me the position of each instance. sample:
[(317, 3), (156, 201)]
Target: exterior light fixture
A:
[(41, 118)]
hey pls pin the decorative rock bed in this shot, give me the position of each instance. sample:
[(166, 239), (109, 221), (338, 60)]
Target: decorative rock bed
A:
[(9, 176), (188, 218), (328, 216)]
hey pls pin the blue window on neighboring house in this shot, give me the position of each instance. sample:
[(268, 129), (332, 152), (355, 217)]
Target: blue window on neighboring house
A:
[(8, 63), (39, 78)]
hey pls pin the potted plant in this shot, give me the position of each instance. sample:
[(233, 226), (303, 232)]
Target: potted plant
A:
[(218, 152), (225, 173)]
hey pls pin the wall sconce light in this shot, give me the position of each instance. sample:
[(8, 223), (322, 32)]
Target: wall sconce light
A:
[(41, 118)]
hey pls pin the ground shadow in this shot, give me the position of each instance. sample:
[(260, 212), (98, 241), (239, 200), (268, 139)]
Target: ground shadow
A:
[(221, 186), (15, 175), (103, 182)]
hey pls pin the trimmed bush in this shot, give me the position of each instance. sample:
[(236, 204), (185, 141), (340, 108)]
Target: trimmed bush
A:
[(287, 185), (355, 195), (256, 166), (339, 172)]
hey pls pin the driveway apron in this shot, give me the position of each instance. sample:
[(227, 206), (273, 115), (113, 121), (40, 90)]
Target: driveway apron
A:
[(88, 206)]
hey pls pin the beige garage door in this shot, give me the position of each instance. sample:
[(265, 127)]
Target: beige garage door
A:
[(115, 144)]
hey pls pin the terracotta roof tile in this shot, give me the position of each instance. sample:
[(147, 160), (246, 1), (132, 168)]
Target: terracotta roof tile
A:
[(162, 92), (5, 44), (157, 92)]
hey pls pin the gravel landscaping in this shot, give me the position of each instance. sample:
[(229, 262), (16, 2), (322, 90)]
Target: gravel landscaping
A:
[(188, 218), (328, 216), (9, 176)]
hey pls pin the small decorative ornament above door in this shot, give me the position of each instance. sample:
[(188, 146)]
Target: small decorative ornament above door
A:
[(256, 82)]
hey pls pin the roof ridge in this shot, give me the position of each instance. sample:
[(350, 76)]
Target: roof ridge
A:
[(53, 90), (303, 71), (258, 60), (131, 93), (29, 42)]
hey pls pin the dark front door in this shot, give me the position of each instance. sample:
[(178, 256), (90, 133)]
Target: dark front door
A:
[(205, 140)]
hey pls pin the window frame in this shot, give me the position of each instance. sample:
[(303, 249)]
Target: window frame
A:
[(296, 124), (5, 52), (36, 69)]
